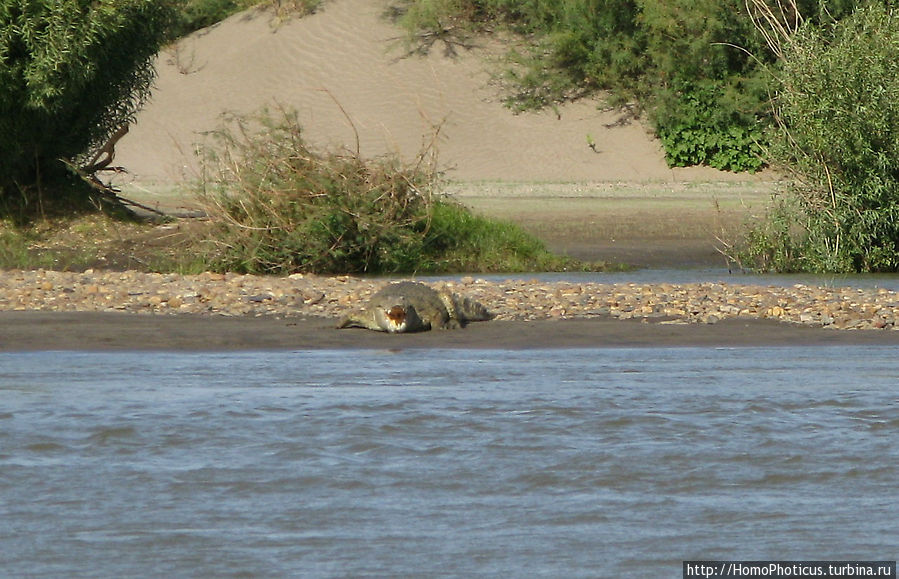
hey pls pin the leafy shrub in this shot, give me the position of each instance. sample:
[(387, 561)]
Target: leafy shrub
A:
[(72, 73), (697, 127), (703, 94), (838, 107), (277, 206), (196, 14), (696, 65)]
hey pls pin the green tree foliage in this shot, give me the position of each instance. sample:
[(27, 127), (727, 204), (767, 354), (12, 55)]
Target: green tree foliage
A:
[(696, 66), (72, 73), (703, 91), (838, 111)]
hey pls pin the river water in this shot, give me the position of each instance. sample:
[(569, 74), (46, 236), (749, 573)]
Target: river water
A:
[(711, 275), (444, 463)]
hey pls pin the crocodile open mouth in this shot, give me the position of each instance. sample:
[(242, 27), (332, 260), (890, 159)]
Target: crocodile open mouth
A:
[(396, 316)]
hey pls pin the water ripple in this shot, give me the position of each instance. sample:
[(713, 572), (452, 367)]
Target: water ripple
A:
[(593, 463)]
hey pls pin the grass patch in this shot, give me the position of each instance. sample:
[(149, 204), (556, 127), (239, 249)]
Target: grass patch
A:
[(67, 243), (460, 241), (773, 242), (16, 251), (99, 241), (277, 207)]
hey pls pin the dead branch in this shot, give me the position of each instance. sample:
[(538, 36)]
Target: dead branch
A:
[(777, 24), (105, 156)]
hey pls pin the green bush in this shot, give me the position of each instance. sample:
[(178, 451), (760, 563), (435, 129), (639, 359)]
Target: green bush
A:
[(703, 94), (277, 206), (838, 107), (72, 73), (697, 127), (697, 66), (196, 14)]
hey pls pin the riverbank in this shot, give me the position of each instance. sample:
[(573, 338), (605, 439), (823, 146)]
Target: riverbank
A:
[(41, 310), (109, 331)]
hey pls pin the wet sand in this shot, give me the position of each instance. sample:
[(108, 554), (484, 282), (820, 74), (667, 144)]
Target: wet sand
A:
[(107, 331), (646, 225), (102, 310)]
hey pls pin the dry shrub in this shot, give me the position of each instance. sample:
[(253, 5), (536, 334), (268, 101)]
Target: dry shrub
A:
[(280, 207), (277, 206)]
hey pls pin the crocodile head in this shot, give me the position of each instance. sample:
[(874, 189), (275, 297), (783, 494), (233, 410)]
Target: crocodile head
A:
[(398, 318)]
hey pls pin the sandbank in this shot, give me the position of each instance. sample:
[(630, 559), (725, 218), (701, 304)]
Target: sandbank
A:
[(104, 331)]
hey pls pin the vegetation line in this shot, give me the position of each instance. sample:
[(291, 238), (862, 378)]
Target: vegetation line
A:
[(810, 87)]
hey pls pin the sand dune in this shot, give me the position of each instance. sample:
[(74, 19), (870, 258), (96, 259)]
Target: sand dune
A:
[(349, 54)]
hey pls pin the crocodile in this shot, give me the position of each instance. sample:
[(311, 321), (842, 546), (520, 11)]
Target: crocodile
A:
[(410, 306)]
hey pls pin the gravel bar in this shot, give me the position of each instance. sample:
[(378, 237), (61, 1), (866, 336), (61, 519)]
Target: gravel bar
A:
[(313, 296)]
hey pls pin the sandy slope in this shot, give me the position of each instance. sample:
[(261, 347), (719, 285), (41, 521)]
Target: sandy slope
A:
[(351, 55)]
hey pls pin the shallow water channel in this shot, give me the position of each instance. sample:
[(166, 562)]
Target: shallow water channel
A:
[(554, 463), (693, 275)]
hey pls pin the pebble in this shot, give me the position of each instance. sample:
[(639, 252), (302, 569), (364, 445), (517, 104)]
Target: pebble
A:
[(331, 297)]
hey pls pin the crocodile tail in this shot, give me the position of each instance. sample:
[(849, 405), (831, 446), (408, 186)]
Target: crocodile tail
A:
[(468, 310)]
